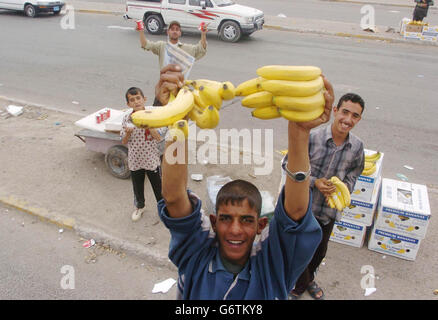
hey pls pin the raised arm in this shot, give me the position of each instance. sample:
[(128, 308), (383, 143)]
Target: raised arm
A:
[(174, 174), (296, 200)]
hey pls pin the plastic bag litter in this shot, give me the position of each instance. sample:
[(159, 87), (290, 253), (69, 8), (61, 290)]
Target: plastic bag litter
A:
[(214, 184), (163, 286), (14, 110)]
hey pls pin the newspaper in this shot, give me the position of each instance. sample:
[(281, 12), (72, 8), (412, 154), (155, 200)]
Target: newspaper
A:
[(174, 55)]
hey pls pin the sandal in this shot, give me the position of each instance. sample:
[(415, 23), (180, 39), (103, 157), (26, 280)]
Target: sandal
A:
[(314, 289), (293, 295)]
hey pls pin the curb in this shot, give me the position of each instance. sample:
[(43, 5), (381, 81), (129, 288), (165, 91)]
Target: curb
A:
[(351, 35), (88, 232)]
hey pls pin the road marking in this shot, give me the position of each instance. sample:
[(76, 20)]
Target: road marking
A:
[(120, 27)]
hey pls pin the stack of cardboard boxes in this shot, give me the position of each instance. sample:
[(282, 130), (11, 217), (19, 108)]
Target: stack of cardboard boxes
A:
[(359, 216), (417, 31), (394, 213), (402, 219)]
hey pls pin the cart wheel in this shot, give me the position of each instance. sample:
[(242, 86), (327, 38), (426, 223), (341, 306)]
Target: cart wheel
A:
[(116, 160)]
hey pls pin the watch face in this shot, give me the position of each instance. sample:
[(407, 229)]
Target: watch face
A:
[(300, 176)]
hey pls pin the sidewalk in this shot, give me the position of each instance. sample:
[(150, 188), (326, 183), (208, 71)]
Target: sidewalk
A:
[(295, 24), (47, 172)]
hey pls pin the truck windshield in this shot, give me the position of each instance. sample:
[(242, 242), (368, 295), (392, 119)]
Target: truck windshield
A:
[(223, 3)]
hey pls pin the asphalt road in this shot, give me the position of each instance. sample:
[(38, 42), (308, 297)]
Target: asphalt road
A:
[(38, 262), (327, 10), (90, 67)]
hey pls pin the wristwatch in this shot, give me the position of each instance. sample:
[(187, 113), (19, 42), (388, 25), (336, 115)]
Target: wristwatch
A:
[(298, 176)]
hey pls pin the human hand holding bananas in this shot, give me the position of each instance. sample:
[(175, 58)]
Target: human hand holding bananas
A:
[(295, 93), (341, 197), (199, 100), (370, 163)]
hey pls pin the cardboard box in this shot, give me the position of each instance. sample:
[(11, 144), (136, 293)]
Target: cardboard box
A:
[(366, 186), (404, 208), (393, 244), (412, 35), (414, 28), (349, 234), (361, 212), (428, 38)]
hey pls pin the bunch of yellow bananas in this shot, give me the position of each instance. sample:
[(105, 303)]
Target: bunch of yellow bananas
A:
[(370, 163), (341, 198), (292, 92), (208, 95), (418, 23), (199, 99)]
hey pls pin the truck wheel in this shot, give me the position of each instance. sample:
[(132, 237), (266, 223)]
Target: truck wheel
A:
[(230, 32), (116, 160), (29, 10), (154, 24)]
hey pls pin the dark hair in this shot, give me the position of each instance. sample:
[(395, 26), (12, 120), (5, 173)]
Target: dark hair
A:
[(237, 191), (353, 97), (132, 92)]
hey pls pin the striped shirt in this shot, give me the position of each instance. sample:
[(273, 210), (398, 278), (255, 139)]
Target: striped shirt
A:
[(326, 160)]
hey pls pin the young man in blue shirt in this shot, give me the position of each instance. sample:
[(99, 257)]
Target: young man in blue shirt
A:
[(216, 256)]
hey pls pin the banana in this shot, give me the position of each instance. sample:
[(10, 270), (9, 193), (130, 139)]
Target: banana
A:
[(331, 202), (205, 119), (227, 90), (249, 86), (343, 189), (294, 73), (411, 228), (337, 202), (210, 96), (368, 165), (357, 191), (198, 100), (368, 172), (257, 99), (293, 88), (391, 224), (265, 113), (401, 251), (300, 116), (373, 157), (384, 246), (348, 237), (167, 115), (181, 126), (300, 103), (204, 82)]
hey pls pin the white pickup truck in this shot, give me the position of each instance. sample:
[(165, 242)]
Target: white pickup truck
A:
[(229, 19)]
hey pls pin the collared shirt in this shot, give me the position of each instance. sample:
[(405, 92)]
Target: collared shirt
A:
[(326, 160), (275, 263), (158, 47)]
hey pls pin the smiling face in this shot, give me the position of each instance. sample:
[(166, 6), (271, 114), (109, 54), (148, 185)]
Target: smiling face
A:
[(136, 101), (236, 227), (346, 117)]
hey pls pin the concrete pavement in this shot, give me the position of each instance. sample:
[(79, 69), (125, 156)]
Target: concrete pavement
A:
[(49, 173), (294, 24)]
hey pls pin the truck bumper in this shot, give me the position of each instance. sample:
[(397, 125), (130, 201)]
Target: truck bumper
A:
[(250, 28)]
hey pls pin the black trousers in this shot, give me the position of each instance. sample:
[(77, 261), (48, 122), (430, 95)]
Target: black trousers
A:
[(138, 178), (419, 13), (308, 274)]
